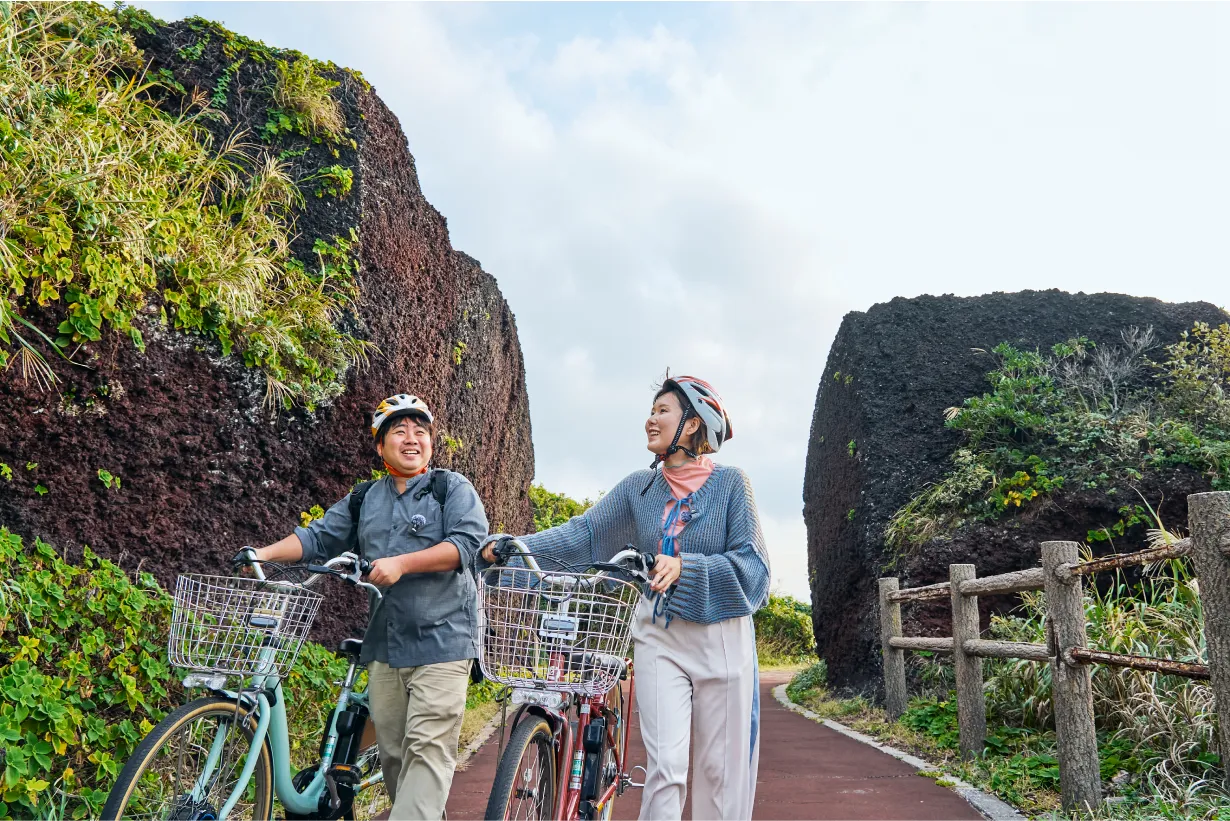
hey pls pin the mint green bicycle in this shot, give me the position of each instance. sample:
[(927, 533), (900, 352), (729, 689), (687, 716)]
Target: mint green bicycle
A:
[(225, 755)]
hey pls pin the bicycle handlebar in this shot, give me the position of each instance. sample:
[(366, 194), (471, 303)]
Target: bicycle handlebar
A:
[(329, 568), (510, 548)]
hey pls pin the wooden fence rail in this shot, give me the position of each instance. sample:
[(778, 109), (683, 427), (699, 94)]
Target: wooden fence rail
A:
[(1066, 651)]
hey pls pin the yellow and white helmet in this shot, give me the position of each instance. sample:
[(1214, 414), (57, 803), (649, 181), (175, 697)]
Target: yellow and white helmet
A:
[(395, 407)]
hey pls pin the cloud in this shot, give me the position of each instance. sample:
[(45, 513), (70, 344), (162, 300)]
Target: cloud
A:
[(711, 187)]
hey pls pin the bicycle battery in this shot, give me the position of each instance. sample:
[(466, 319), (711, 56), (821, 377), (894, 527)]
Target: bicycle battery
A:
[(353, 733), (594, 736)]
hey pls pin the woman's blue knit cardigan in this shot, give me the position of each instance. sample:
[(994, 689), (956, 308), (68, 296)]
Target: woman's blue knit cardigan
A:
[(725, 571)]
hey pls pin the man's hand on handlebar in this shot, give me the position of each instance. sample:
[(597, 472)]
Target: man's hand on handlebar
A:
[(241, 562), (385, 572)]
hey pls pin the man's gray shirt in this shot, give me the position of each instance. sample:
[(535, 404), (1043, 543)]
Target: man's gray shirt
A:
[(425, 618)]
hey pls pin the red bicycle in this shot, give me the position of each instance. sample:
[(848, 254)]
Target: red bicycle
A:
[(560, 640)]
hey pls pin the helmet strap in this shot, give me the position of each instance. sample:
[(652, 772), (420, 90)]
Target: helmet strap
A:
[(673, 449)]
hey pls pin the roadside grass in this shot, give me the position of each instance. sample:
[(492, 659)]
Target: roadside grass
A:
[(1020, 764)]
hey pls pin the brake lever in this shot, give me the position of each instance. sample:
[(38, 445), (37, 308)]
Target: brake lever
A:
[(504, 550)]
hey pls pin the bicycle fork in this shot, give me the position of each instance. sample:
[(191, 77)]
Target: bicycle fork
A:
[(204, 782)]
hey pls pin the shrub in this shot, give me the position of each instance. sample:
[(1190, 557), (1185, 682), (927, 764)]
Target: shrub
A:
[(84, 675), (812, 679), (784, 630), (552, 509)]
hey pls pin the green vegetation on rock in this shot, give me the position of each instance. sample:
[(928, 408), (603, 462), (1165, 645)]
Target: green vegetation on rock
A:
[(120, 215), (1086, 415)]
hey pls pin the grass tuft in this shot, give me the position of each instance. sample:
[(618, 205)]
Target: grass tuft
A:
[(303, 94)]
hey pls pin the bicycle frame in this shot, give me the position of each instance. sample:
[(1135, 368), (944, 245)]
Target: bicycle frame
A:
[(554, 703), (266, 696), (270, 710), (569, 748)]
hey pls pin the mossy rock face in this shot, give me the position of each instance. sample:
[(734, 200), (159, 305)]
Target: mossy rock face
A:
[(878, 438), (205, 465)]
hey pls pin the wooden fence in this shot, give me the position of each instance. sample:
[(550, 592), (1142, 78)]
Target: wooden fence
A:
[(1066, 650)]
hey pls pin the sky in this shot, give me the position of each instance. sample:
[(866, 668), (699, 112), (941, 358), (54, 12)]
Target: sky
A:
[(712, 187)]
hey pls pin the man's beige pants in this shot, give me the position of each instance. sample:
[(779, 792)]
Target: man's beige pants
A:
[(417, 712)]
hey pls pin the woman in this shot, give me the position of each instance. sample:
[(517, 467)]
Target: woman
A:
[(420, 529), (695, 645)]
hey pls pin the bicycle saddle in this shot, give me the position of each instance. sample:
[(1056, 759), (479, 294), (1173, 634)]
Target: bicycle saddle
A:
[(350, 647)]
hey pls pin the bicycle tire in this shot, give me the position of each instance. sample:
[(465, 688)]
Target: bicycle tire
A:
[(146, 754), (532, 733)]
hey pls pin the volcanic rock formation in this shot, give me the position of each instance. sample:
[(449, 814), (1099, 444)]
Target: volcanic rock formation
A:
[(206, 466), (877, 438)]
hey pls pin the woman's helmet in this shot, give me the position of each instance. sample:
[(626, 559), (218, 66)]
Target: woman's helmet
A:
[(707, 405), (395, 407)]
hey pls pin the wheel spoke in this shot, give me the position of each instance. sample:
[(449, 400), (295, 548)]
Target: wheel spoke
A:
[(209, 749)]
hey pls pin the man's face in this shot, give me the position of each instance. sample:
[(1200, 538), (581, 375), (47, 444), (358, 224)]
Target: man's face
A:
[(407, 445)]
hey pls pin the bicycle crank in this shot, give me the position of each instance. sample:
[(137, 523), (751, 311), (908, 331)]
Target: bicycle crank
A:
[(186, 808)]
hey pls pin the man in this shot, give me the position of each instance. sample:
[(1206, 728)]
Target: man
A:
[(420, 529)]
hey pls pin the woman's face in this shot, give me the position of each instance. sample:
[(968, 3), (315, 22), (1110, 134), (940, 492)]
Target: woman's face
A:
[(663, 421), (407, 446)]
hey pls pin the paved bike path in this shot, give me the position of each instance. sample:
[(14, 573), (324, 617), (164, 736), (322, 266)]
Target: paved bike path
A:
[(807, 771)]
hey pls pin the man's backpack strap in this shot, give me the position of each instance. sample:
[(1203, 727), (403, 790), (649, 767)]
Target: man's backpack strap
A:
[(437, 486), (356, 507)]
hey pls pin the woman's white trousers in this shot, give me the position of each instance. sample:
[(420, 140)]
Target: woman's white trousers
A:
[(697, 681)]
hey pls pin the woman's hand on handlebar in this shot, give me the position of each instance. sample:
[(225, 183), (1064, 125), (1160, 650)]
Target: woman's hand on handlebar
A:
[(496, 550), (665, 572)]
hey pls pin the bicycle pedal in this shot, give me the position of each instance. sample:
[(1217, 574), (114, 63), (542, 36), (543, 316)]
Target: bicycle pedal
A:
[(347, 774), (632, 783)]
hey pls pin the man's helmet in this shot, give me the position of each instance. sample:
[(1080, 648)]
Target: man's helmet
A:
[(395, 407), (707, 405)]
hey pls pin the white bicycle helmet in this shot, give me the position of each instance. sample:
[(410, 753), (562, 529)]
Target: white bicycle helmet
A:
[(707, 405), (395, 407)]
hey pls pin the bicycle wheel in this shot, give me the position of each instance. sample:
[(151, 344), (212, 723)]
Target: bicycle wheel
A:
[(524, 785), (160, 778)]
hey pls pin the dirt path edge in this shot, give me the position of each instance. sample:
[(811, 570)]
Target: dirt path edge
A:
[(988, 805)]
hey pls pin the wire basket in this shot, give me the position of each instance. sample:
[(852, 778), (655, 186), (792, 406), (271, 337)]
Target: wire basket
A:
[(555, 633), (238, 626)]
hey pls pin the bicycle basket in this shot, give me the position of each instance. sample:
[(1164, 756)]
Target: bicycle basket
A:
[(238, 626), (555, 634)]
